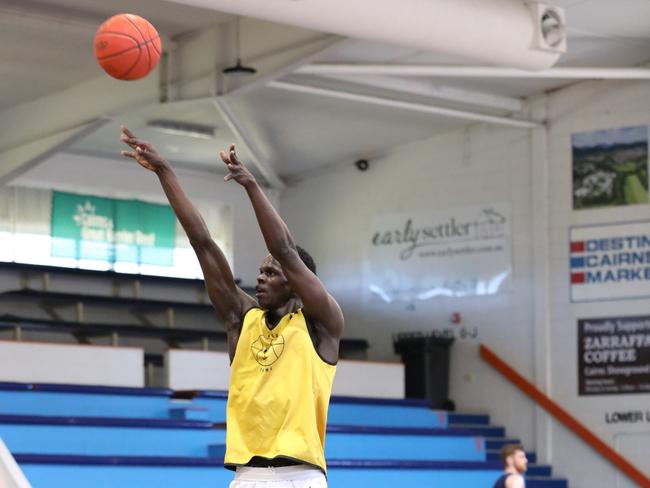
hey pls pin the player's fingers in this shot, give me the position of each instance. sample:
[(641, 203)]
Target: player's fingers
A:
[(224, 157), (228, 177), (126, 131), (131, 141), (128, 154), (233, 155)]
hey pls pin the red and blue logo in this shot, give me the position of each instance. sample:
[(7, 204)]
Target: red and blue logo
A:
[(577, 262)]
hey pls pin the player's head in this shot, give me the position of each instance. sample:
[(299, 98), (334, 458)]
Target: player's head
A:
[(514, 458), (307, 259), (273, 290)]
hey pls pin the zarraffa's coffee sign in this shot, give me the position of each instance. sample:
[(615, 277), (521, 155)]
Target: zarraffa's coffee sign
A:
[(455, 252), (614, 355)]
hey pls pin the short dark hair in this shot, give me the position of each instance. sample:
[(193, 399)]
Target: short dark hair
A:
[(508, 450), (307, 259)]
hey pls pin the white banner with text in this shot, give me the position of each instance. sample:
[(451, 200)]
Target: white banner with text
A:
[(454, 252)]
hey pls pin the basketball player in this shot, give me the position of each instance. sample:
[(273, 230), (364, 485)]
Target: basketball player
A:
[(515, 464), (283, 344)]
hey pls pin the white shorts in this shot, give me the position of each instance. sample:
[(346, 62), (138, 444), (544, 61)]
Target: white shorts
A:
[(283, 477)]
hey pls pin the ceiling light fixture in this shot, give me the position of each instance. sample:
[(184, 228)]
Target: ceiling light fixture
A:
[(239, 69)]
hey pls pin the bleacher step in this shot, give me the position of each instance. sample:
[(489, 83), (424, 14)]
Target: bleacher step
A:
[(495, 444), (533, 482), (468, 419), (189, 412), (485, 431), (145, 470)]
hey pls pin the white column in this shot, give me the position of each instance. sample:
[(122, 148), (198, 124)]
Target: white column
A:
[(541, 272)]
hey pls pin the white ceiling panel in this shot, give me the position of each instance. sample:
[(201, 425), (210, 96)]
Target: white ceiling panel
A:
[(307, 131), (201, 153), (46, 46), (619, 19)]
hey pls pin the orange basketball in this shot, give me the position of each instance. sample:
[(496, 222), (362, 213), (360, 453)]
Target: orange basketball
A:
[(127, 47)]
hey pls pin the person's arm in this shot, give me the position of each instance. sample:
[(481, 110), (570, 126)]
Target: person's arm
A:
[(229, 301), (318, 304), (515, 481)]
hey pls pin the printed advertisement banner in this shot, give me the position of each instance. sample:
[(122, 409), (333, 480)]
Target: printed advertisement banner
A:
[(614, 355), (454, 253), (112, 230), (610, 262)]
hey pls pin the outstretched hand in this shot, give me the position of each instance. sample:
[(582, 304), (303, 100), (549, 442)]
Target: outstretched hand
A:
[(143, 152), (236, 169)]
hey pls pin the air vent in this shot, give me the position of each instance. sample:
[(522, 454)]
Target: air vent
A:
[(550, 27)]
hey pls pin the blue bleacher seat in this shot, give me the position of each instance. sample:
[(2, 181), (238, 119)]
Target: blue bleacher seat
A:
[(77, 436)]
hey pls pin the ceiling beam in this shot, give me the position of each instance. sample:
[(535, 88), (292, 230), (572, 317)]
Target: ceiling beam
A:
[(433, 91), (37, 129), (73, 107), (286, 61), (248, 140), (475, 71), (17, 160), (399, 104), (197, 58), (194, 62)]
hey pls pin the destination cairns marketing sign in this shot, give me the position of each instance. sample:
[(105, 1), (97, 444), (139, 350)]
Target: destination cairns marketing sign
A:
[(610, 262)]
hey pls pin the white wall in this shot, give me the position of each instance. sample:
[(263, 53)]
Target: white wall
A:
[(197, 370), (330, 214), (201, 370), (369, 379), (35, 362), (587, 107)]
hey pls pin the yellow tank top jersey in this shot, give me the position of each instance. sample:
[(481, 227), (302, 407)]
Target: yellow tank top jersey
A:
[(279, 393)]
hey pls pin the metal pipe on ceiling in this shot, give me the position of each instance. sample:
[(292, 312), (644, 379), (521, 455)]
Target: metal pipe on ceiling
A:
[(403, 105), (526, 35), (474, 71)]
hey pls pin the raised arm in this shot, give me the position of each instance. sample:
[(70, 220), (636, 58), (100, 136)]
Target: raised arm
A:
[(318, 304), (229, 301)]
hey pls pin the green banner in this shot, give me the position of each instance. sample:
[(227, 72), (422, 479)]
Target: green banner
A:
[(112, 230)]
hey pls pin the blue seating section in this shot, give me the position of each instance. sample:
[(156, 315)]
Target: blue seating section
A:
[(108, 436), (84, 401), (77, 436)]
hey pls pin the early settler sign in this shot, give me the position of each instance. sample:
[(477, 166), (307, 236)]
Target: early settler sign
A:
[(111, 230), (614, 355), (455, 252), (610, 262)]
